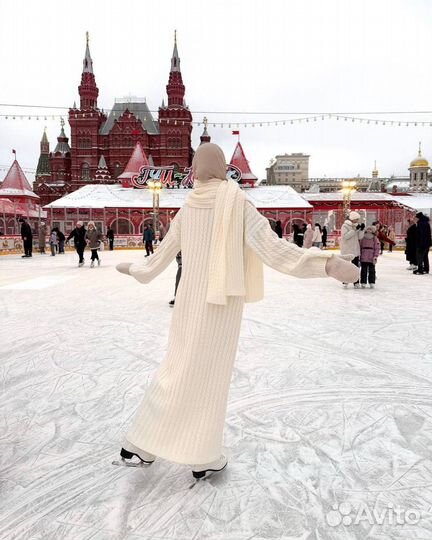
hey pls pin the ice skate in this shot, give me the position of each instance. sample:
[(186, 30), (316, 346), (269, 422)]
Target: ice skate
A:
[(372, 285), (363, 285), (201, 472), (92, 264), (129, 453), (80, 264), (172, 303), (356, 285), (345, 285), (99, 261)]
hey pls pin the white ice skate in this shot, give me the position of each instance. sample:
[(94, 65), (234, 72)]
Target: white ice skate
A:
[(92, 264), (356, 286), (129, 451), (205, 470), (99, 261), (372, 285), (363, 285)]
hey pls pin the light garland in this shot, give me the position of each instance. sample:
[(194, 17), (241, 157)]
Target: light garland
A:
[(255, 123)]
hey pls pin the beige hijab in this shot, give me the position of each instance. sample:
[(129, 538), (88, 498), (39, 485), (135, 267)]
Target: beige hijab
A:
[(234, 269)]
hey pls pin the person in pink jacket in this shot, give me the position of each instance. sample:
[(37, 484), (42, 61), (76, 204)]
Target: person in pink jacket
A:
[(369, 251)]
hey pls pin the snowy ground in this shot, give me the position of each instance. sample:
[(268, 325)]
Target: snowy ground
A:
[(330, 404)]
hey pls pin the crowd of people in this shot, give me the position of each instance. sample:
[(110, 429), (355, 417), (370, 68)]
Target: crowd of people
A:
[(365, 244)]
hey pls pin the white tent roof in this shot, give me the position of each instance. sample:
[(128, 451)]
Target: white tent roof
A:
[(115, 196)]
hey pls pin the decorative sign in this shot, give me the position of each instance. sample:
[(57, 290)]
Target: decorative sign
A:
[(170, 178)]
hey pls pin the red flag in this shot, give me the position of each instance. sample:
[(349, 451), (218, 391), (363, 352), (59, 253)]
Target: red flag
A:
[(236, 132), (14, 152)]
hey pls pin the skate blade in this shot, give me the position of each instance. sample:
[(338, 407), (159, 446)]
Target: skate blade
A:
[(206, 477), (139, 464)]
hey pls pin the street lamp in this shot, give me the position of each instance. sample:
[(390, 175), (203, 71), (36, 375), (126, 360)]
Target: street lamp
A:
[(155, 187), (348, 186)]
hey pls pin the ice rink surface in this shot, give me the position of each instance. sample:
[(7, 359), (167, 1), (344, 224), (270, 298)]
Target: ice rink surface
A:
[(329, 424)]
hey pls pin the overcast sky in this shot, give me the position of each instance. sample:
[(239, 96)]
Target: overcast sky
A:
[(283, 56)]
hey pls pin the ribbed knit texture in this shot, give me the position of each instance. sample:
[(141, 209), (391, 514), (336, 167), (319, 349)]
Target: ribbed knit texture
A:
[(182, 414)]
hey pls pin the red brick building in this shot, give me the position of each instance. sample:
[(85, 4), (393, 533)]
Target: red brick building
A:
[(105, 142)]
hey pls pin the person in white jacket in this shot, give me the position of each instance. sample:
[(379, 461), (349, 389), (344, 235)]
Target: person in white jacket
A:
[(224, 240), (351, 234), (317, 236)]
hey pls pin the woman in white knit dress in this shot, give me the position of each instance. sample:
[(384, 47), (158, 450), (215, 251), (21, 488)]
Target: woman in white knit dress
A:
[(220, 234)]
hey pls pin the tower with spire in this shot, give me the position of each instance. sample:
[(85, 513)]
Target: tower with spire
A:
[(43, 169), (61, 160), (85, 123), (205, 137), (175, 119), (419, 170)]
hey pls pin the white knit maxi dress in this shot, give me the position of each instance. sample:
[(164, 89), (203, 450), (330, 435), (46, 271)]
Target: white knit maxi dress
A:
[(182, 415)]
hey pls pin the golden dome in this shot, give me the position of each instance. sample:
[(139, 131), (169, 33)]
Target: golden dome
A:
[(419, 161)]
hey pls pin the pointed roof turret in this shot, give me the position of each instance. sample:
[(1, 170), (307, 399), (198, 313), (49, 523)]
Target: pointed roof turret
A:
[(240, 161), (205, 137), (87, 62), (16, 184), (88, 90), (175, 59), (44, 137), (375, 171), (43, 167), (175, 87), (62, 141), (102, 171), (137, 160), (102, 163)]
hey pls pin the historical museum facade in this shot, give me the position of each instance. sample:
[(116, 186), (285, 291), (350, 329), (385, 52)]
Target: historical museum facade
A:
[(101, 144)]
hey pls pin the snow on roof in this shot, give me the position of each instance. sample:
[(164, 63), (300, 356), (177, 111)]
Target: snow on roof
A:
[(416, 201), (115, 196), (16, 184), (355, 196)]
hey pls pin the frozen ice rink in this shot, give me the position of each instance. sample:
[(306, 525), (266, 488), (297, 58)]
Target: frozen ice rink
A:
[(329, 424)]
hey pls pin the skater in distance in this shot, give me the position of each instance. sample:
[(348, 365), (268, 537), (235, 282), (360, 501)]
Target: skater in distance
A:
[(224, 242)]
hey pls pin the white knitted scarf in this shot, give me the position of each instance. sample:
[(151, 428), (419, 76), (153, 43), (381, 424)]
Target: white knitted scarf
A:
[(234, 269)]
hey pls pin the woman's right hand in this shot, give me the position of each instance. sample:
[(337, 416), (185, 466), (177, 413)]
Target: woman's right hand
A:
[(342, 270)]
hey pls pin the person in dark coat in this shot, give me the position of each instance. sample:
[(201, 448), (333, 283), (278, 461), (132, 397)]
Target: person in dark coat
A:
[(78, 234), (410, 245), (278, 228), (148, 238), (27, 237), (324, 237), (298, 235), (61, 241), (110, 236), (423, 243)]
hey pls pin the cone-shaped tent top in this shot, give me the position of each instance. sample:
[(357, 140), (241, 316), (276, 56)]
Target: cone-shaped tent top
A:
[(240, 161), (137, 160), (16, 184)]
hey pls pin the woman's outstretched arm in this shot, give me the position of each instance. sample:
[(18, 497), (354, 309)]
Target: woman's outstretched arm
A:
[(289, 258), (152, 266)]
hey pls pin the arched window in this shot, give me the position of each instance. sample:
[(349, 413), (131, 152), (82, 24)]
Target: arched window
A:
[(85, 171)]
